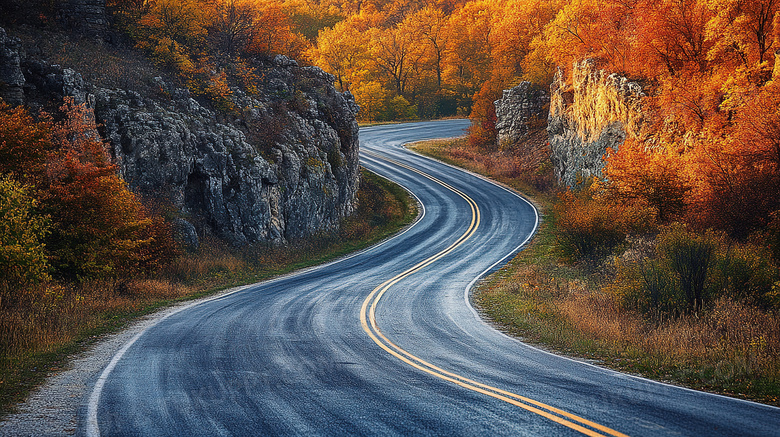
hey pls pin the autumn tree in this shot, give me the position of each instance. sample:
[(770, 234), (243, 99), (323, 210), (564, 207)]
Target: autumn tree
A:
[(740, 171), (743, 28), (432, 27), (652, 176), (231, 27), (519, 23), (672, 38), (470, 58), (371, 96), (308, 18), (396, 53), (273, 33), (342, 52), (98, 224), (24, 143), (175, 21)]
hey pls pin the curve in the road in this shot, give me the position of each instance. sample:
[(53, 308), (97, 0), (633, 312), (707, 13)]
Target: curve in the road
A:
[(369, 323)]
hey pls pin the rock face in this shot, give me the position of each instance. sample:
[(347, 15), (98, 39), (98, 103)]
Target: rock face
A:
[(516, 108), (86, 16), (287, 170), (11, 77), (282, 164), (597, 111)]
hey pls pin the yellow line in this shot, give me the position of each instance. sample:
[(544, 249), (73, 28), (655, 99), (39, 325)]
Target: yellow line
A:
[(368, 321)]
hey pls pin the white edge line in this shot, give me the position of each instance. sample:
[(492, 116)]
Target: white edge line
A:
[(93, 428), (515, 251), (92, 425)]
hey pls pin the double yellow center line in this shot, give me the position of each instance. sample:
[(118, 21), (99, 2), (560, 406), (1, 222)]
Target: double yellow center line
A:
[(369, 323)]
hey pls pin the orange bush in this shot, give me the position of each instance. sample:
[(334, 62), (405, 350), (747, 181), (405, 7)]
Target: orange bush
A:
[(654, 177)]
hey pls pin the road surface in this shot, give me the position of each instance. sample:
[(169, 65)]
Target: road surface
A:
[(386, 343)]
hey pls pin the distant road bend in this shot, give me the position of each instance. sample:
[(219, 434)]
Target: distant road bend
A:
[(386, 343)]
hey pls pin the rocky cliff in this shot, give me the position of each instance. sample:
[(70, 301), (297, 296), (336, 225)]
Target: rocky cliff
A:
[(593, 112), (281, 165), (517, 107)]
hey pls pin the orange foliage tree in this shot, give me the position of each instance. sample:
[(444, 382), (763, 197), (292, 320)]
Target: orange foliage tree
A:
[(232, 27), (651, 176), (397, 53), (273, 33), (72, 211), (740, 172), (744, 29), (99, 225), (24, 143)]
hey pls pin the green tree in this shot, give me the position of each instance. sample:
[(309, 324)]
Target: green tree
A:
[(22, 232)]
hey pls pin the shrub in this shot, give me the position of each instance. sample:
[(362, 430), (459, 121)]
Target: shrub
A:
[(398, 108), (591, 227), (100, 226), (690, 256), (747, 273), (690, 270)]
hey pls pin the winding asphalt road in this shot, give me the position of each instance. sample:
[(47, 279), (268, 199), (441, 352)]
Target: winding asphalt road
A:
[(386, 343)]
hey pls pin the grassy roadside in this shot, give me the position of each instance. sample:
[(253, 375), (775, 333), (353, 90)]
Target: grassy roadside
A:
[(568, 308), (61, 320)]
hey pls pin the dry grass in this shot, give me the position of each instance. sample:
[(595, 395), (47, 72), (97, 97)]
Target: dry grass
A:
[(49, 315), (109, 66), (525, 166), (732, 348)]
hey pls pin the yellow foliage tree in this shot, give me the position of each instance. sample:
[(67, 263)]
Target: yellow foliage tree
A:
[(342, 52), (22, 232), (371, 97)]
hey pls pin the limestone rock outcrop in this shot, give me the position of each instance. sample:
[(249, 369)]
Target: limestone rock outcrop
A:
[(88, 17), (11, 77), (516, 108), (288, 169), (593, 113)]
